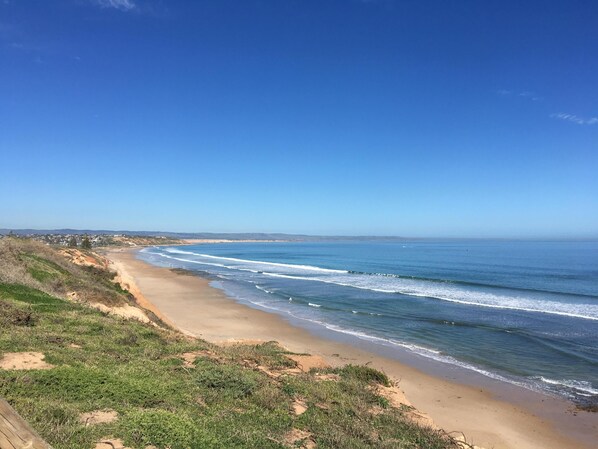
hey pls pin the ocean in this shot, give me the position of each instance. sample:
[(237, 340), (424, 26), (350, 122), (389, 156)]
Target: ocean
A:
[(523, 312)]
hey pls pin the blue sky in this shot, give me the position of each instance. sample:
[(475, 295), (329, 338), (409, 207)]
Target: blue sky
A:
[(383, 117)]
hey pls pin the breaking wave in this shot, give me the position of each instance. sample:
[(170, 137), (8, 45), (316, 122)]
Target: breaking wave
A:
[(478, 295)]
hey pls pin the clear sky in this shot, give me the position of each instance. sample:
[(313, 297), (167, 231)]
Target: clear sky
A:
[(383, 117)]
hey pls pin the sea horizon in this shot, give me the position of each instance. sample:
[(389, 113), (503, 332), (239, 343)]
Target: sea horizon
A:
[(294, 237)]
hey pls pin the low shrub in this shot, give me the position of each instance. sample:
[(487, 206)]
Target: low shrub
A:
[(364, 374), (229, 380), (159, 428)]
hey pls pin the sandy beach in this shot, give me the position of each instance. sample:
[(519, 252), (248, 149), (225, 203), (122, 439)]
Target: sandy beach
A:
[(190, 304)]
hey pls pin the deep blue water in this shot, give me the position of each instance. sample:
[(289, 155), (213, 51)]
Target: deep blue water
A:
[(521, 311)]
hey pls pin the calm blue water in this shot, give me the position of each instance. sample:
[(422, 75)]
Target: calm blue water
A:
[(521, 311)]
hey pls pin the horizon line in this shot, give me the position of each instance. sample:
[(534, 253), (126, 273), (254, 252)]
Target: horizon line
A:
[(274, 235)]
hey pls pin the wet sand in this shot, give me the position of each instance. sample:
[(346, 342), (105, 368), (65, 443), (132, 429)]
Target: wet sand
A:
[(528, 421)]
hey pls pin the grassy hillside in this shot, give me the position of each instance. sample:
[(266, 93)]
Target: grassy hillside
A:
[(35, 265), (170, 390)]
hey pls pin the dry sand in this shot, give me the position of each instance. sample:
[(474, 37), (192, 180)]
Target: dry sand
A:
[(23, 361), (98, 417), (190, 304)]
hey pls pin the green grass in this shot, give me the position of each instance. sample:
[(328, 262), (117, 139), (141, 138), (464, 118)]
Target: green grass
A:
[(43, 261), (31, 296), (219, 402), (42, 269)]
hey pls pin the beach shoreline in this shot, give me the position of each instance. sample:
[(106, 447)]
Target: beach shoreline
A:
[(192, 305)]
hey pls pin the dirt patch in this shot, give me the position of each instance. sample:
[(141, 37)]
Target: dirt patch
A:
[(302, 437), (304, 363), (85, 259), (126, 311), (393, 395), (23, 361), (10, 314), (115, 443), (307, 362), (299, 406), (396, 398), (98, 417), (110, 444)]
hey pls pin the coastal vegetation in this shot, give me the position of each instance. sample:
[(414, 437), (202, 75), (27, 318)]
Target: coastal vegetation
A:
[(163, 389), (88, 240)]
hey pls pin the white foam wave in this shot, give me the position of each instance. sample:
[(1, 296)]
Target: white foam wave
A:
[(259, 262), (458, 295), (311, 304), (579, 385), (470, 296), (259, 287)]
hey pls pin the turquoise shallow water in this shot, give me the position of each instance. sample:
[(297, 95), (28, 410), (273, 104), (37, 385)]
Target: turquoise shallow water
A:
[(525, 312)]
